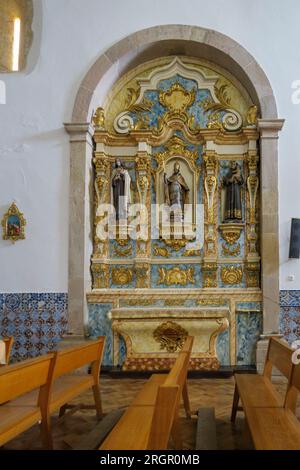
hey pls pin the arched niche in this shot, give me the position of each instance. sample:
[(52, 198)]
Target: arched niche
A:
[(16, 19), (131, 52)]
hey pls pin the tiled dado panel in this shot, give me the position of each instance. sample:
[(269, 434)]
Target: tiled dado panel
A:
[(36, 321), (290, 314)]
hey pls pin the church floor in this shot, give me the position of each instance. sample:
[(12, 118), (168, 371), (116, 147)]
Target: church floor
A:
[(117, 393)]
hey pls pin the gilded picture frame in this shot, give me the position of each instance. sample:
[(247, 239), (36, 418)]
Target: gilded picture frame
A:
[(13, 224)]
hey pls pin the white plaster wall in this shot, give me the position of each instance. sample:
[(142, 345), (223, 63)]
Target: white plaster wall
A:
[(34, 151)]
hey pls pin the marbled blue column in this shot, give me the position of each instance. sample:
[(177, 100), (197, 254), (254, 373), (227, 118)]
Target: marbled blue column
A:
[(223, 348), (248, 328), (101, 325)]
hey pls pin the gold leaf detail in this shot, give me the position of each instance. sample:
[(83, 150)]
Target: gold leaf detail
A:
[(160, 251), (176, 276), (226, 251), (177, 98), (176, 243), (122, 276), (231, 275), (170, 335), (123, 253)]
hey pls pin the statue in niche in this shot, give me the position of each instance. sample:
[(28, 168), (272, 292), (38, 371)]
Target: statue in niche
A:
[(233, 182), (176, 191), (121, 196)]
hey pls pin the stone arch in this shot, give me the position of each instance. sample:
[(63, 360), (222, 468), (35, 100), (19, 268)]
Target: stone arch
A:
[(12, 11), (165, 40), (131, 51)]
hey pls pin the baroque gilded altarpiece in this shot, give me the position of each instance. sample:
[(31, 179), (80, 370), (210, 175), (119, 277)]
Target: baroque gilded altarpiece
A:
[(149, 293)]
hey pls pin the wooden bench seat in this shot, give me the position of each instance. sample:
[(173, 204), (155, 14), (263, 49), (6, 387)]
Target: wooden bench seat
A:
[(16, 419), (271, 420), (273, 428), (67, 386), (17, 380), (153, 414), (41, 386), (256, 390), (64, 389)]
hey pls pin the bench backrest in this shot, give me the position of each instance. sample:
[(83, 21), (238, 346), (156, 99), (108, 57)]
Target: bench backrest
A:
[(18, 379), (8, 345), (188, 344), (293, 388), (178, 373), (68, 360), (279, 355), (163, 417), (168, 398)]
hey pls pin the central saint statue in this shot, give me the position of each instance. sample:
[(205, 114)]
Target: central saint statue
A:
[(176, 190)]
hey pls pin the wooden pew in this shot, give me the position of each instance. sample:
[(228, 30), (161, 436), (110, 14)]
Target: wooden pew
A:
[(8, 345), (153, 416), (67, 386), (15, 381), (277, 428), (257, 390), (271, 423), (148, 396)]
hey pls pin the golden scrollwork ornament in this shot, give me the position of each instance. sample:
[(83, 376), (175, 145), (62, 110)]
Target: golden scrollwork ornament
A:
[(232, 274), (252, 274), (122, 276), (176, 146), (160, 251), (170, 335), (176, 243), (142, 275), (177, 100), (13, 224), (210, 274), (100, 275), (233, 251), (123, 253), (176, 276), (231, 232)]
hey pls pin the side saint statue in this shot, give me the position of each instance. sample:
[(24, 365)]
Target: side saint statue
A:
[(120, 194), (233, 183)]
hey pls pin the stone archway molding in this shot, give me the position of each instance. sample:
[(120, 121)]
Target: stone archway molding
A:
[(195, 41)]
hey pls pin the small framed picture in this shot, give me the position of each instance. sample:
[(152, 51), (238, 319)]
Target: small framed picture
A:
[(13, 224)]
